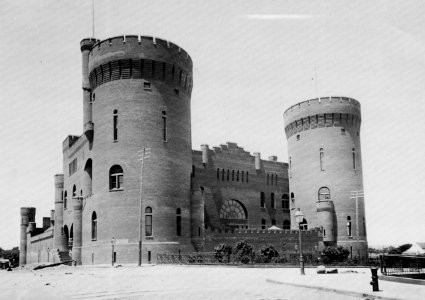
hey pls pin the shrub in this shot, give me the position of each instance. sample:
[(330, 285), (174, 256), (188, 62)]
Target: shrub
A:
[(268, 253), (222, 252), (244, 252), (334, 254)]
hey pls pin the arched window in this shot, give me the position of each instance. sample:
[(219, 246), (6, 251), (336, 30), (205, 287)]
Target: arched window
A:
[(263, 224), (228, 174), (94, 226), (354, 159), (364, 226), (349, 226), (303, 225), (273, 204), (324, 194), (233, 209), (164, 126), (322, 155), (218, 174), (115, 120), (179, 222), (268, 179), (148, 221), (233, 175), (292, 197), (247, 176), (285, 201), (273, 222), (65, 200), (222, 175), (243, 173), (262, 200), (87, 178), (286, 224), (116, 178), (272, 177), (237, 175), (74, 191)]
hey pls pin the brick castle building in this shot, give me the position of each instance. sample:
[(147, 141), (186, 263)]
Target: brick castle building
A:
[(132, 182)]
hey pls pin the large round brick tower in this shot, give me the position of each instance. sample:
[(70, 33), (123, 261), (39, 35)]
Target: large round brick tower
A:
[(325, 169), (136, 96)]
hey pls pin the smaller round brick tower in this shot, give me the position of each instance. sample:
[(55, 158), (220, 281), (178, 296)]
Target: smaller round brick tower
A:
[(325, 175), (27, 217), (59, 238), (77, 220), (86, 45)]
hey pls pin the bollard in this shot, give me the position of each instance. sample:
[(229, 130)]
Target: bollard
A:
[(374, 282)]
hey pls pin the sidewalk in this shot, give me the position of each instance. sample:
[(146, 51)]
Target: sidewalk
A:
[(352, 282)]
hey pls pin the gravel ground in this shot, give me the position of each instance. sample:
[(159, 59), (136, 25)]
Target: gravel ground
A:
[(196, 282)]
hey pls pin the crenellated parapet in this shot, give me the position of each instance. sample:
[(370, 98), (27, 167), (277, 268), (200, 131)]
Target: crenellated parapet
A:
[(256, 232), (322, 112), (282, 240), (88, 43), (140, 57)]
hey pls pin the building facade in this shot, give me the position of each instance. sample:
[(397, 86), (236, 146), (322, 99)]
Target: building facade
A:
[(132, 183), (325, 169)]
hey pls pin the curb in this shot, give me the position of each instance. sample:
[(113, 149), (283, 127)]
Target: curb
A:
[(341, 292), (402, 280)]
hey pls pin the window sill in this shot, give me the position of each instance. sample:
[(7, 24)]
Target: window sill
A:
[(116, 190), (149, 237), (93, 240), (115, 141)]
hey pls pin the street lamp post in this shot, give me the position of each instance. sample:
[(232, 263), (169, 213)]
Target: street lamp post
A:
[(113, 250), (143, 154), (299, 218)]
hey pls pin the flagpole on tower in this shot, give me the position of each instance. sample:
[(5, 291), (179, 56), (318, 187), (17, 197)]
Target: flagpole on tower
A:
[(92, 9)]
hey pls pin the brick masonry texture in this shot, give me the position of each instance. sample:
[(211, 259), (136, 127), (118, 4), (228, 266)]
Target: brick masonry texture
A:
[(337, 134), (134, 87)]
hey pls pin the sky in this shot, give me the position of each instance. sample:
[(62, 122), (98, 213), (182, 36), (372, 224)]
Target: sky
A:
[(252, 60)]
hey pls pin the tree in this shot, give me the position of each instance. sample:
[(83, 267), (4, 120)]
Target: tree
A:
[(268, 253), (244, 252), (399, 249), (334, 254), (223, 251), (12, 255)]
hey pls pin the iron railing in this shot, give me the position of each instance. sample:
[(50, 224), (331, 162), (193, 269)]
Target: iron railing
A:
[(210, 259), (402, 265)]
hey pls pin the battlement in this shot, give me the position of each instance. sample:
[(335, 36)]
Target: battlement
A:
[(322, 105), (88, 43), (232, 153), (256, 232), (28, 211), (59, 180), (163, 48)]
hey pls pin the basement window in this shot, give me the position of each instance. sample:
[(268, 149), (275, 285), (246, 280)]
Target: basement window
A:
[(147, 86)]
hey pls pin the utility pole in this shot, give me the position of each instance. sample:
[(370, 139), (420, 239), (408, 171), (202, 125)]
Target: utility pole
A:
[(143, 154), (355, 195)]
